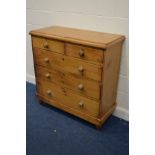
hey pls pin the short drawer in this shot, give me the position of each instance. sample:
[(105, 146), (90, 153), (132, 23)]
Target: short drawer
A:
[(52, 45), (72, 65), (87, 87), (68, 98), (84, 52)]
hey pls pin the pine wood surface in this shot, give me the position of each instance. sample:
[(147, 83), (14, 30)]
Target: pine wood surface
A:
[(84, 37), (77, 70), (68, 64), (68, 97), (90, 88)]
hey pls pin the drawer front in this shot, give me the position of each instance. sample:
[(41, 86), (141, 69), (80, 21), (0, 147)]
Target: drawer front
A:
[(52, 45), (85, 53), (72, 65), (87, 87), (68, 98)]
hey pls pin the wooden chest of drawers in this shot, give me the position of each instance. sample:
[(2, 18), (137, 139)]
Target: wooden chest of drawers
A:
[(77, 70)]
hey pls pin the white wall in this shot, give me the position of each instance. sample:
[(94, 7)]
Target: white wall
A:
[(99, 15)]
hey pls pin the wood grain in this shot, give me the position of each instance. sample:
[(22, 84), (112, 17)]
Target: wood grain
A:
[(68, 97), (89, 54), (112, 58), (98, 121), (52, 45), (91, 88), (68, 64), (77, 70), (84, 37)]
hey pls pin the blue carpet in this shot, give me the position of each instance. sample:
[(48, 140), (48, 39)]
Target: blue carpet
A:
[(53, 132)]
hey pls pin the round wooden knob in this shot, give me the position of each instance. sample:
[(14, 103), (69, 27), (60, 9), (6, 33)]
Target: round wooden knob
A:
[(46, 60), (45, 45), (81, 104), (81, 53), (81, 69), (47, 75), (48, 92), (80, 86)]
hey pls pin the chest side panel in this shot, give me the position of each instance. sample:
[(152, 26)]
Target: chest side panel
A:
[(111, 69)]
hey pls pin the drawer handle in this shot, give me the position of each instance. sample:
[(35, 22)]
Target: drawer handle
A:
[(46, 60), (80, 86), (47, 75), (48, 92), (45, 45), (81, 53), (81, 104), (81, 69)]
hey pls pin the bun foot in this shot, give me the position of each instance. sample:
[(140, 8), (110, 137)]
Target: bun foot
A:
[(98, 126)]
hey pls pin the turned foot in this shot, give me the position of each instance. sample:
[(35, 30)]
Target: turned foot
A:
[(41, 102), (98, 126)]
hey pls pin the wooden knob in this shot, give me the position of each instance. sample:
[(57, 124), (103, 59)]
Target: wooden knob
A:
[(46, 60), (80, 86), (47, 75), (81, 69), (48, 92), (81, 53), (81, 104), (45, 45)]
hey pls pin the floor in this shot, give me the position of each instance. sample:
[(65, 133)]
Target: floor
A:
[(53, 132)]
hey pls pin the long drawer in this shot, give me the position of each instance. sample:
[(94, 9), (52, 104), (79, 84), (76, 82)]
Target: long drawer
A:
[(73, 65), (67, 97), (83, 86)]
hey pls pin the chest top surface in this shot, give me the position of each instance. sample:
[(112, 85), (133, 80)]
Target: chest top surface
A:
[(85, 37)]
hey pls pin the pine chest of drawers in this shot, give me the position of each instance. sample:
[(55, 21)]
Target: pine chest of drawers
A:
[(77, 70)]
